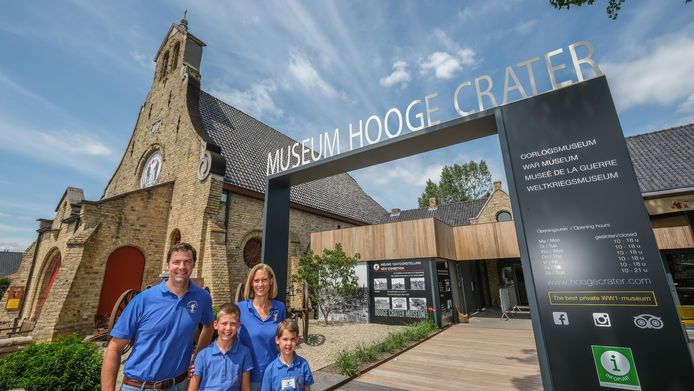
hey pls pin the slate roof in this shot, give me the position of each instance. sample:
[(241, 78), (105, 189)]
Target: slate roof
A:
[(663, 160), (9, 262), (455, 214), (245, 144)]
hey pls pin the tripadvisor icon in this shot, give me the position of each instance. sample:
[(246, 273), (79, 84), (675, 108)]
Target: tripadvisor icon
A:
[(615, 367)]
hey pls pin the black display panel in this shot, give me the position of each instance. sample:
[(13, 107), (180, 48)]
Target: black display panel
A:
[(445, 295), (607, 318), (401, 291)]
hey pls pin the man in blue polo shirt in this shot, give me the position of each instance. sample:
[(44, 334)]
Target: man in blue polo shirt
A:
[(161, 323)]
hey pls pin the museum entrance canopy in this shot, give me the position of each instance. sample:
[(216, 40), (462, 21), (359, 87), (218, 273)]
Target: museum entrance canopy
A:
[(602, 310)]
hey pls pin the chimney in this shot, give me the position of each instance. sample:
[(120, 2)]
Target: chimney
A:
[(432, 203), (395, 212), (497, 185)]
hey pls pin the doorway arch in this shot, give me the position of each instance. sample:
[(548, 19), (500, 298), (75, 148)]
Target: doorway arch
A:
[(124, 270), (50, 272)]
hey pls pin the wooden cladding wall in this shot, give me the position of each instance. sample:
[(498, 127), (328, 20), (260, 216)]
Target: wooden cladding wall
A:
[(426, 238), (430, 238), (408, 239), (670, 238), (486, 241)]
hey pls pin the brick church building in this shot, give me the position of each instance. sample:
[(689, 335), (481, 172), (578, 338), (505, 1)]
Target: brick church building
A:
[(193, 171)]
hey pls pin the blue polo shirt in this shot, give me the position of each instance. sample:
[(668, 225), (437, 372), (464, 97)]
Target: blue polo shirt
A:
[(259, 335), (222, 371), (163, 327), (282, 377)]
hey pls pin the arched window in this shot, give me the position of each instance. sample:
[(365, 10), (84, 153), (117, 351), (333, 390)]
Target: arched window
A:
[(251, 252), (174, 58), (503, 216), (164, 65)]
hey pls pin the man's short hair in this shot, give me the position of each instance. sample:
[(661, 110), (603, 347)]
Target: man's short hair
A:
[(181, 247), (287, 325), (229, 309)]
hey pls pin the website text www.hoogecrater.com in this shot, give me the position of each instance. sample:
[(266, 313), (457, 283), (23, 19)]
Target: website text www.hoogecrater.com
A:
[(590, 282)]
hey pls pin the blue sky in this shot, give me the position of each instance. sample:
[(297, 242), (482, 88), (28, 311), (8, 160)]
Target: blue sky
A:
[(73, 75)]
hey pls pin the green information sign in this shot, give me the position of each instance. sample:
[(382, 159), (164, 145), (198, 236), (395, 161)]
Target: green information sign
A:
[(615, 367)]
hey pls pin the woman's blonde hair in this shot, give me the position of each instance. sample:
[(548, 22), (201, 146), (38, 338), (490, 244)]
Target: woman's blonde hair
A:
[(248, 288)]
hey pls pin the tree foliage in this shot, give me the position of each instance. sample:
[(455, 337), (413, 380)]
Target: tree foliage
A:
[(613, 6), (4, 284), (66, 364), (331, 278), (459, 183)]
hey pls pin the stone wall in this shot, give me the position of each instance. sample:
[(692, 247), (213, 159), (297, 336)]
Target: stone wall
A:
[(499, 201)]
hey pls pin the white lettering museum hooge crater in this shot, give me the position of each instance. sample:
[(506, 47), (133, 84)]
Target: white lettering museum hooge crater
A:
[(419, 113)]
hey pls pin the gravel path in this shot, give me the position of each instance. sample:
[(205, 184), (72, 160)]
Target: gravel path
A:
[(325, 342)]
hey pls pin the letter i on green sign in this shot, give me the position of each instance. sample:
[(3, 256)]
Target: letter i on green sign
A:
[(615, 367)]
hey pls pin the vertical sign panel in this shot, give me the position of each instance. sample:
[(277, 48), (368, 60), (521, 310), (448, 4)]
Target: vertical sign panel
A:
[(606, 315), (443, 282)]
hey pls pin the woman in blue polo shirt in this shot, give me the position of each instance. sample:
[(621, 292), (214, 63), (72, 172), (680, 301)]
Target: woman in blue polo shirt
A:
[(260, 315)]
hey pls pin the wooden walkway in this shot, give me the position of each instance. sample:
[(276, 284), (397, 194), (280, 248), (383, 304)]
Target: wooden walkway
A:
[(463, 357)]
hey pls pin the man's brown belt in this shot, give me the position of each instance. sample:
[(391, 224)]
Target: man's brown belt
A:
[(155, 385)]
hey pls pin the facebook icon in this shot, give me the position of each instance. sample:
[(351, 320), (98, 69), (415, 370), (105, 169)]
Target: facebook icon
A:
[(560, 318)]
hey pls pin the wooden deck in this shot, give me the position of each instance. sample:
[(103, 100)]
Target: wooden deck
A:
[(463, 357)]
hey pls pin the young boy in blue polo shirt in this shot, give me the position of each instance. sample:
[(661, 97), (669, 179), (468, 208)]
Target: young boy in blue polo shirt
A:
[(289, 371), (225, 364)]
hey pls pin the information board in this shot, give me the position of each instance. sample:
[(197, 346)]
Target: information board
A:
[(606, 315), (400, 291), (443, 283)]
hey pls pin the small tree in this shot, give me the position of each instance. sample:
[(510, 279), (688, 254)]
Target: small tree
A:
[(458, 183), (4, 284), (330, 277)]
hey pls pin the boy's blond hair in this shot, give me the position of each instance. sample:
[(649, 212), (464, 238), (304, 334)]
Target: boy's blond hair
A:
[(287, 325), (228, 309)]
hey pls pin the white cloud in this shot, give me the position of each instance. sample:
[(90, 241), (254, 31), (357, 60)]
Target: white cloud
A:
[(73, 149), (12, 228), (410, 172), (143, 60), (14, 245), (12, 85), (661, 75), (526, 26), (445, 65), (302, 70), (687, 106), (71, 142), (256, 101), (399, 76)]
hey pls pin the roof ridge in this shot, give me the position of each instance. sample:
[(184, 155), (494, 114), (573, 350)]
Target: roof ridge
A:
[(661, 131), (451, 204)]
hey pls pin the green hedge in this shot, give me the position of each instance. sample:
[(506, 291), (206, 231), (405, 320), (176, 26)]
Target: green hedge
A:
[(349, 361), (66, 364)]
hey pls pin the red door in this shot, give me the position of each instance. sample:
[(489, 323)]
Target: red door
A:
[(124, 270)]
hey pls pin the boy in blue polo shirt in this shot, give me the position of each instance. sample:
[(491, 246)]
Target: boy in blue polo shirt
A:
[(289, 371), (225, 364)]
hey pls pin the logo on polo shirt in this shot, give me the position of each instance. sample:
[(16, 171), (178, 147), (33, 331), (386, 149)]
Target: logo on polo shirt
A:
[(192, 306)]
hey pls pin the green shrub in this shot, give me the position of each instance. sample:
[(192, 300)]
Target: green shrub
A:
[(4, 284), (66, 364), (349, 361)]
